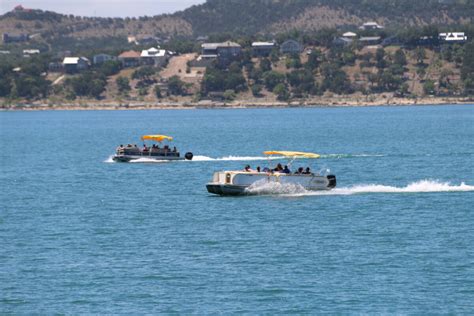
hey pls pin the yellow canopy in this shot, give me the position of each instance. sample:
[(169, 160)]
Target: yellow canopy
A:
[(156, 138), (292, 154)]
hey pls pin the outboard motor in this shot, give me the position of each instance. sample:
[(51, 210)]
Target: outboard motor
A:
[(332, 181), (189, 156)]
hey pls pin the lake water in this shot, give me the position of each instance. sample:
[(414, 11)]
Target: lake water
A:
[(80, 234)]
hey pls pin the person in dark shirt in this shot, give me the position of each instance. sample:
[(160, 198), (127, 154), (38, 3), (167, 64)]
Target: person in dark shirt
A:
[(307, 171), (286, 170), (300, 170)]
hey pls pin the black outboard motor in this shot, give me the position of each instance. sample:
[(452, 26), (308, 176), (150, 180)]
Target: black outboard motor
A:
[(189, 156), (332, 181)]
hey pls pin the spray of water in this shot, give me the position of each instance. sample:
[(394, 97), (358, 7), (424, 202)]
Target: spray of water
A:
[(423, 186)]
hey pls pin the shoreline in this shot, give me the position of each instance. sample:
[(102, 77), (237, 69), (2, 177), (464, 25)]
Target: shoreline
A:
[(323, 102)]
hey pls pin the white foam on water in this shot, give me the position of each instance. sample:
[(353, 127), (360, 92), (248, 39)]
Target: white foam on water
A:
[(109, 160), (233, 158), (423, 186), (199, 158), (148, 160)]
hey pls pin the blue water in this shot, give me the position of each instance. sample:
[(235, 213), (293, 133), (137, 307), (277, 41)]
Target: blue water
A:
[(79, 234)]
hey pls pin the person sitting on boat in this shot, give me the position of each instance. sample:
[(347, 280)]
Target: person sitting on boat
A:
[(174, 149), (258, 169), (247, 169), (307, 171), (278, 168), (145, 149), (266, 169), (286, 170), (300, 170)]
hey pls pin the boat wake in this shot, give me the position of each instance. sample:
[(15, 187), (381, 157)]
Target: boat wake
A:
[(423, 186), (247, 158), (258, 158)]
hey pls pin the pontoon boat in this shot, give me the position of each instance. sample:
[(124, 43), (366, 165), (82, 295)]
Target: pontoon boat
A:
[(242, 182), (133, 152)]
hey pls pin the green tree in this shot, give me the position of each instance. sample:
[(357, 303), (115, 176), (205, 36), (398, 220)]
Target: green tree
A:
[(123, 84), (400, 58), (420, 55), (429, 87), (281, 92), (272, 79), (176, 86), (157, 91), (265, 65)]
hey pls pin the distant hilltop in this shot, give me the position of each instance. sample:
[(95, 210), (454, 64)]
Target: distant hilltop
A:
[(243, 17)]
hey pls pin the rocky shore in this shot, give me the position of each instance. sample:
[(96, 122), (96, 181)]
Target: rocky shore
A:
[(255, 103)]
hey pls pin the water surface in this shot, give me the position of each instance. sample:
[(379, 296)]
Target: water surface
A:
[(82, 235)]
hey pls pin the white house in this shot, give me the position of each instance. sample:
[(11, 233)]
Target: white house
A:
[(154, 56), (75, 64), (262, 48), (453, 37)]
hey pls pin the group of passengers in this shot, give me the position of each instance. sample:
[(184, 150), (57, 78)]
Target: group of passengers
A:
[(279, 169), (146, 149)]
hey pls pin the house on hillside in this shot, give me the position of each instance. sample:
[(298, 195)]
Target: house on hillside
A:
[(55, 67), (349, 35), (154, 57), (15, 38), (291, 47), (129, 58), (371, 26), (262, 49), (29, 52), (370, 40), (102, 58), (393, 40), (225, 52), (75, 64), (453, 38), (342, 42)]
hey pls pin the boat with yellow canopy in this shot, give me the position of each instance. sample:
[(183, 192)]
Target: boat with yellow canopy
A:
[(248, 181), (150, 153)]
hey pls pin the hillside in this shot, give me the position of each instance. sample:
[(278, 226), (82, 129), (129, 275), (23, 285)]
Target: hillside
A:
[(243, 17)]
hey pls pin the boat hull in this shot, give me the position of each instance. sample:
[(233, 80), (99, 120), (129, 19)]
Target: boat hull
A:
[(129, 158), (236, 183)]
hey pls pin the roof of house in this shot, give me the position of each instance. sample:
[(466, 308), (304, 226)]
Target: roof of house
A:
[(453, 36), (71, 60), (219, 45), (129, 54), (31, 51), (369, 38), (257, 44), (153, 52), (349, 34)]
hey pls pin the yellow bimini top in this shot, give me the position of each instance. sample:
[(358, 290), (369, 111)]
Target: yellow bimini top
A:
[(157, 138), (292, 154)]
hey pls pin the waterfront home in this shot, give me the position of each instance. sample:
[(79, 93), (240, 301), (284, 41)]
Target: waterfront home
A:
[(102, 58), (75, 64), (262, 49), (129, 58), (154, 56), (291, 47)]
